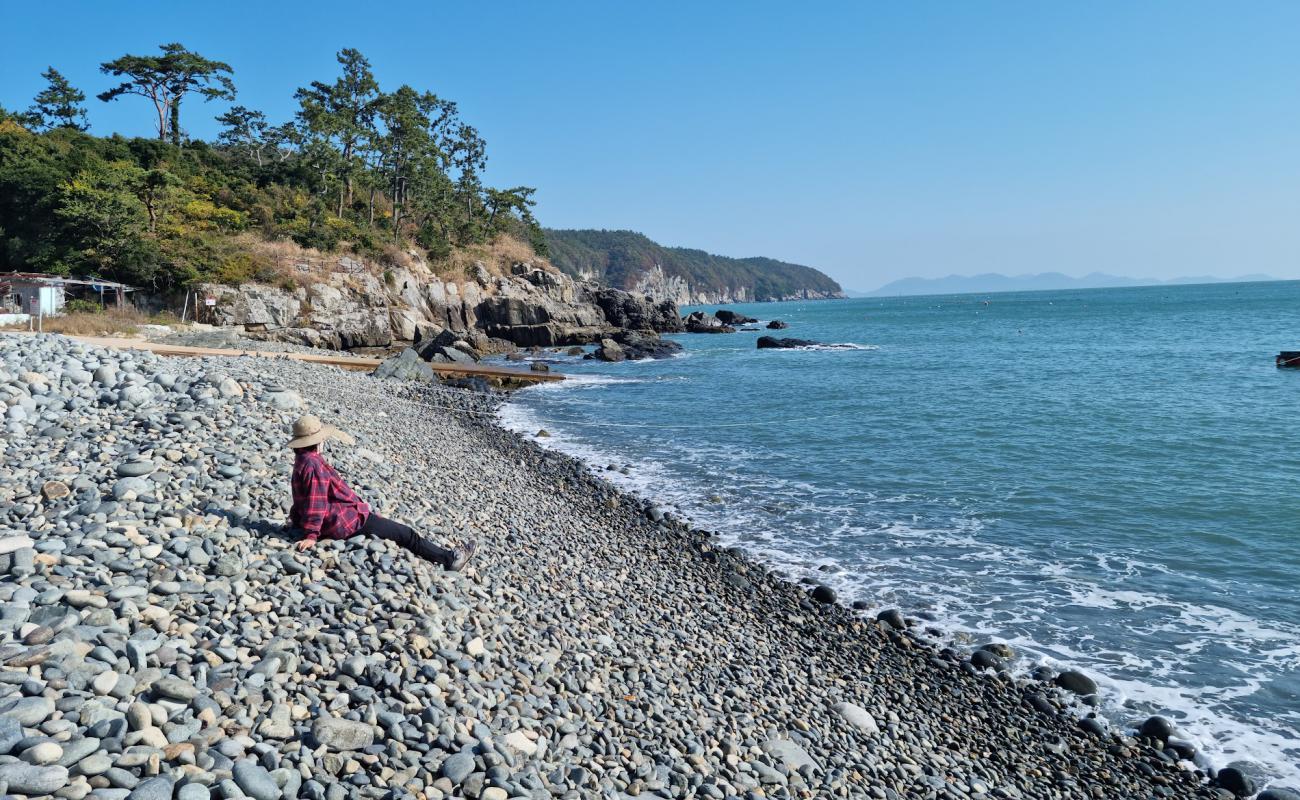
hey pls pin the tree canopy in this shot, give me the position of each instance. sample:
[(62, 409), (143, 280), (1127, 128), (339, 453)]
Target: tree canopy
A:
[(166, 79), (357, 168), (58, 105)]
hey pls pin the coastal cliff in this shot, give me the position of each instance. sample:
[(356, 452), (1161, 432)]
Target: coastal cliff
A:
[(344, 303), (631, 261)]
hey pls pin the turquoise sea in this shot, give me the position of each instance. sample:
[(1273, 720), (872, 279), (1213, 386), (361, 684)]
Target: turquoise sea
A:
[(1106, 479)]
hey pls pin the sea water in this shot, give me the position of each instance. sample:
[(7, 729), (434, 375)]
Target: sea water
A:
[(1105, 479)]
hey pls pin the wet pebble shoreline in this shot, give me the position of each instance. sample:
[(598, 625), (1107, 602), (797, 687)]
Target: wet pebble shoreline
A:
[(161, 638)]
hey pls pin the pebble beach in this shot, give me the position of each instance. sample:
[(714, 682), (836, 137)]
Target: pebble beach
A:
[(160, 637)]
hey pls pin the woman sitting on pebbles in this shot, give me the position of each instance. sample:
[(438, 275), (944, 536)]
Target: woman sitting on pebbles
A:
[(323, 505)]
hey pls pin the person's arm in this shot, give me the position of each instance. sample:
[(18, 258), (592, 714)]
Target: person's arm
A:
[(314, 508)]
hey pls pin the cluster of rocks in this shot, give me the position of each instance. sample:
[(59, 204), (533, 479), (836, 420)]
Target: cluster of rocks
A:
[(354, 306), (634, 346), (161, 638), (725, 321), (702, 322)]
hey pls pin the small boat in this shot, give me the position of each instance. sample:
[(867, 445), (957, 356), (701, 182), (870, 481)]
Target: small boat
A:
[(1289, 358)]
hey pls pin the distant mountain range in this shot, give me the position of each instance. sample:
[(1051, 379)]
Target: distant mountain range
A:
[(629, 260), (1045, 281)]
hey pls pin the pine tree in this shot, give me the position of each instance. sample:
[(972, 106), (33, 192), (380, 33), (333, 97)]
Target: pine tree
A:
[(58, 105)]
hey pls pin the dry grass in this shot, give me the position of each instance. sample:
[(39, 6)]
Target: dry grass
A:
[(110, 322), (498, 257)]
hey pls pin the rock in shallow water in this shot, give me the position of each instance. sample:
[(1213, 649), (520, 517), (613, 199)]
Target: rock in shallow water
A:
[(823, 594), (1157, 728), (1235, 781), (1075, 681)]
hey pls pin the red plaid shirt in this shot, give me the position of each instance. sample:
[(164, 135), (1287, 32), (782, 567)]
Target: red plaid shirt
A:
[(323, 505)]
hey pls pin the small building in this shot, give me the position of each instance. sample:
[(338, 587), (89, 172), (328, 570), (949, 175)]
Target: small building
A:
[(35, 293)]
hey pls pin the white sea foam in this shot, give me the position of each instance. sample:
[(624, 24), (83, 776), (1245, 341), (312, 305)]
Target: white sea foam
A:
[(827, 346), (944, 570)]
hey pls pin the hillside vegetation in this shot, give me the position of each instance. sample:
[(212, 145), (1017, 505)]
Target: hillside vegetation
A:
[(623, 259), (356, 170)]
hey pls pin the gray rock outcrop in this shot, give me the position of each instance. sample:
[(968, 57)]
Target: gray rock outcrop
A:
[(351, 307)]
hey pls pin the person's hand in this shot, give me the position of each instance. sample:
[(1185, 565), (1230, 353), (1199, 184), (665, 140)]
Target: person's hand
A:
[(305, 543)]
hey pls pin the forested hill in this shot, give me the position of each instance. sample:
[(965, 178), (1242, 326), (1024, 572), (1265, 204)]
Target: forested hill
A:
[(629, 260), (356, 169)]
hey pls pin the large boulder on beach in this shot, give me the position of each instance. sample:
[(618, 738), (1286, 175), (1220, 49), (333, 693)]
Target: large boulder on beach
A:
[(858, 717), (405, 366), (789, 753), (342, 734)]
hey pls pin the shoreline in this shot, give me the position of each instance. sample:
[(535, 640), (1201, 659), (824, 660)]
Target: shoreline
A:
[(591, 649), (1254, 742)]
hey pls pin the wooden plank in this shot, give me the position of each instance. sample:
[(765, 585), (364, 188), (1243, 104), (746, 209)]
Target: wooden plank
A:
[(344, 362)]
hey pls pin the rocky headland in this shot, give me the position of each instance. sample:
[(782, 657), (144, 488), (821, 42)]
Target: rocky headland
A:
[(160, 637), (350, 304)]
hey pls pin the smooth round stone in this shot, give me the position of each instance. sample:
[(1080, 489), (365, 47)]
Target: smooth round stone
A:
[(94, 764), (105, 376), (893, 618), (159, 788), (1236, 781), (823, 594), (1002, 650), (255, 781), (194, 791), (32, 779), (1075, 681), (104, 682), (135, 469), (457, 767), (1157, 728), (43, 753)]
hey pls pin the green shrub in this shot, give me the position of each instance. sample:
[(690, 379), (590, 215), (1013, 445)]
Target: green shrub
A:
[(79, 306)]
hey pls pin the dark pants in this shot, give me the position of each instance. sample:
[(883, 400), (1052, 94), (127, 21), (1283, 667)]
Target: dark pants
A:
[(404, 536)]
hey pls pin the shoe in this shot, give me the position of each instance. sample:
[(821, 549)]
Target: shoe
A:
[(461, 554)]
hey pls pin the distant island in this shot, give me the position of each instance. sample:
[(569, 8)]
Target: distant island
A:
[(630, 260), (1044, 281)]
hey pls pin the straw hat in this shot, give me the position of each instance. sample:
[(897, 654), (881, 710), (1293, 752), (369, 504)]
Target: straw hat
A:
[(309, 430)]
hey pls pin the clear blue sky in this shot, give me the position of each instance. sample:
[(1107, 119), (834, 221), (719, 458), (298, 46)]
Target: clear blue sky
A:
[(874, 140)]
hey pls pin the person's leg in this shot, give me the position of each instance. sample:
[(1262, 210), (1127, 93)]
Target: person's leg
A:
[(404, 536)]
